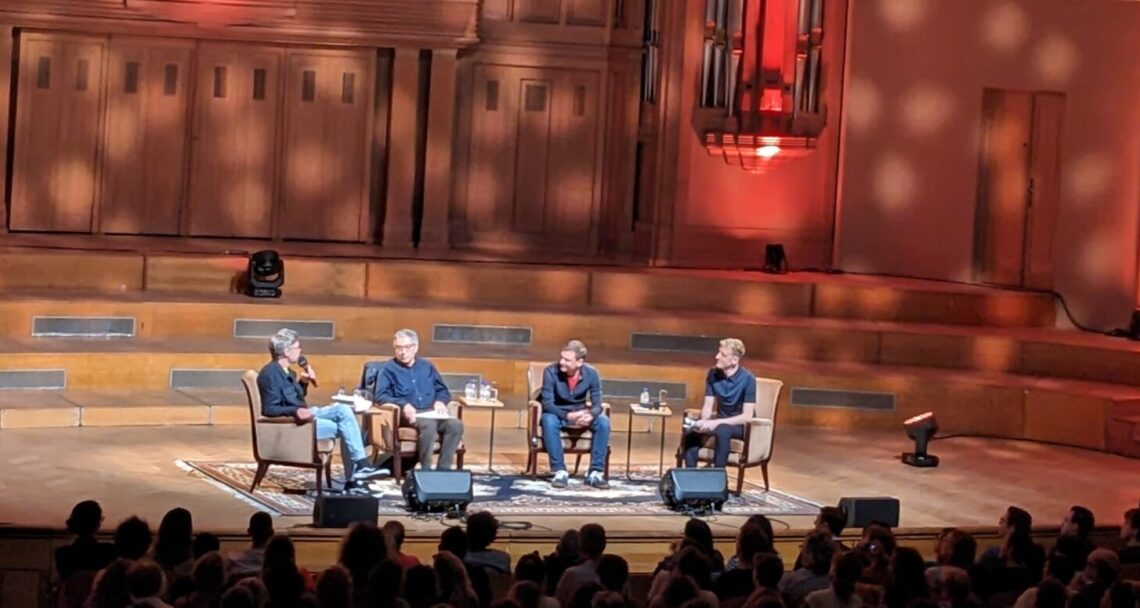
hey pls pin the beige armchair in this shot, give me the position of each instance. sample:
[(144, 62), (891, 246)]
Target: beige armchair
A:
[(574, 441), (756, 447), (282, 441), (387, 436)]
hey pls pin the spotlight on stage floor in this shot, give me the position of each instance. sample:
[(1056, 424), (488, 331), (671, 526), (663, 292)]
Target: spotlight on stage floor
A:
[(921, 429), (438, 491), (694, 490), (266, 275)]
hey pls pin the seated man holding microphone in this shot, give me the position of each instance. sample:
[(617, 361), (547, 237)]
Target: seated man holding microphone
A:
[(733, 389)]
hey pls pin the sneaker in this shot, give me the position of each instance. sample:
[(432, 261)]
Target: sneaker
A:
[(561, 479), (369, 472), (595, 480)]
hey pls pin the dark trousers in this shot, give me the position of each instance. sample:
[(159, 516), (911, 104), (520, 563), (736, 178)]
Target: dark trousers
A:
[(724, 435), (449, 432)]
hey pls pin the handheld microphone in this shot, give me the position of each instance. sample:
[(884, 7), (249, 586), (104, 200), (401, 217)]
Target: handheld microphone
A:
[(304, 363)]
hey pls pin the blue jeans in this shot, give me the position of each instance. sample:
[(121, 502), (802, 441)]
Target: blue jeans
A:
[(338, 420), (724, 435), (552, 427)]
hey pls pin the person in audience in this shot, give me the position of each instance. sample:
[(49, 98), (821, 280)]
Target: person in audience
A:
[(566, 554), (1014, 566), (240, 597), (528, 594), (146, 584), (1102, 569), (593, 545), (531, 568), (414, 384), (454, 586), (877, 549), (732, 389), (831, 520), (1120, 595), (955, 548), (279, 551), (420, 587), (699, 531), (174, 544), (205, 542), (285, 584), (678, 590), (751, 543), (84, 554), (334, 588), (394, 532), (132, 538), (691, 563), (567, 387), (1048, 594), (248, 561), (209, 578), (1059, 570), (1130, 534), (482, 530), (384, 589), (765, 525), (1079, 522), (256, 589), (907, 579), (767, 570), (454, 540), (816, 556), (283, 395), (363, 547), (840, 592), (613, 574), (584, 595), (110, 587)]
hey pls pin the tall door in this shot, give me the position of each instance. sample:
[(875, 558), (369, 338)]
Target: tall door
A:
[(328, 98), (1018, 188), (233, 177), (144, 166), (55, 160)]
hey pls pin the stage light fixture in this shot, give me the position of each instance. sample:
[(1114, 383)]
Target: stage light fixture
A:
[(775, 260), (921, 429), (266, 275)]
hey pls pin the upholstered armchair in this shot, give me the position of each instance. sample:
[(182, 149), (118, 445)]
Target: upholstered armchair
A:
[(574, 441), (756, 447), (386, 435), (280, 440)]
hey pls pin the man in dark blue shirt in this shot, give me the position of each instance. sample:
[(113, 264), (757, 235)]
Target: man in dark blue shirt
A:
[(733, 390), (416, 386), (283, 395), (565, 388)]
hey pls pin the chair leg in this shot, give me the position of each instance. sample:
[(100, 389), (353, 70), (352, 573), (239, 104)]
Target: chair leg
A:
[(398, 466), (529, 464), (262, 469), (320, 481), (764, 471), (739, 480), (328, 474), (607, 464), (577, 464), (459, 459)]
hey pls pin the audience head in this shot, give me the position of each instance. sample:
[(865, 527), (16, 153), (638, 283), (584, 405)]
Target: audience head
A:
[(954, 584), (817, 552), (907, 575), (1130, 529), (279, 550), (110, 590), (848, 568), (210, 572), (526, 594), (482, 529), (260, 528), (1079, 521), (256, 590), (693, 562), (239, 597), (1061, 564), (1120, 595), (878, 539), (749, 542), (831, 520), (584, 596), (145, 579), (530, 567), (175, 540), (1051, 594), (85, 518), (609, 599), (613, 572), (762, 521), (384, 584), (363, 547), (420, 586), (1016, 521), (1102, 568), (767, 570), (700, 532), (132, 538), (334, 588), (956, 548), (454, 540), (205, 542), (284, 582), (452, 574), (569, 545), (593, 538), (678, 590), (394, 532)]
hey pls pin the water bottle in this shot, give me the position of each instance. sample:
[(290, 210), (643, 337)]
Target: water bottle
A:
[(470, 391), (644, 397), (485, 392), (340, 391)]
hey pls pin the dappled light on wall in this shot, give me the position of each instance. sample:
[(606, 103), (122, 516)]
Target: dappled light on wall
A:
[(903, 15), (1005, 27), (895, 184), (864, 105), (1089, 178), (1056, 59), (926, 108)]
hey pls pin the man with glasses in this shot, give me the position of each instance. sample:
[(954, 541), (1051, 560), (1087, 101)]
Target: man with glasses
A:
[(282, 394), (415, 385)]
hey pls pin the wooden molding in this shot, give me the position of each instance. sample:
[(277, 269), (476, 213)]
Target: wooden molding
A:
[(217, 12)]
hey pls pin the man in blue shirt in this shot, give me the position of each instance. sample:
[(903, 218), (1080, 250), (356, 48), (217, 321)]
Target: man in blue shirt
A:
[(416, 386), (733, 389), (282, 394), (565, 388)]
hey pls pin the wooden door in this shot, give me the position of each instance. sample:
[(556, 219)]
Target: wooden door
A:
[(58, 117)]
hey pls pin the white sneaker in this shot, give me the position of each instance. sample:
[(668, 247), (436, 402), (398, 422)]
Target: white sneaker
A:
[(596, 480), (561, 479)]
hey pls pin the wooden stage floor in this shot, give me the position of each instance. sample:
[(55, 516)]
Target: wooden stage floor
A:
[(133, 471)]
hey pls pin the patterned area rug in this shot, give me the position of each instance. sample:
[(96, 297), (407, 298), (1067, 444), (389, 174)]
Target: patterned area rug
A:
[(289, 491)]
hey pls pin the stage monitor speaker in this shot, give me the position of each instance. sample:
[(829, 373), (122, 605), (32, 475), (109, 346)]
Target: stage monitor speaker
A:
[(334, 511), (862, 510), (438, 490), (685, 489)]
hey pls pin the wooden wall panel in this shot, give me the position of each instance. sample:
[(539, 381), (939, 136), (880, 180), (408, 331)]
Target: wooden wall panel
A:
[(587, 12), (233, 177), (533, 150), (491, 171), (6, 48), (538, 11), (570, 196), (144, 166), (58, 111), (325, 177)]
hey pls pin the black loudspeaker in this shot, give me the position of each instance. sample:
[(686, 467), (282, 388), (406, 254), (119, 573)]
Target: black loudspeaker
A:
[(863, 510), (685, 489), (334, 511), (438, 490)]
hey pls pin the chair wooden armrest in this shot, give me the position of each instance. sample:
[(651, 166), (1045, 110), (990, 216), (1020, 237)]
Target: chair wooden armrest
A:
[(607, 409), (692, 412)]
